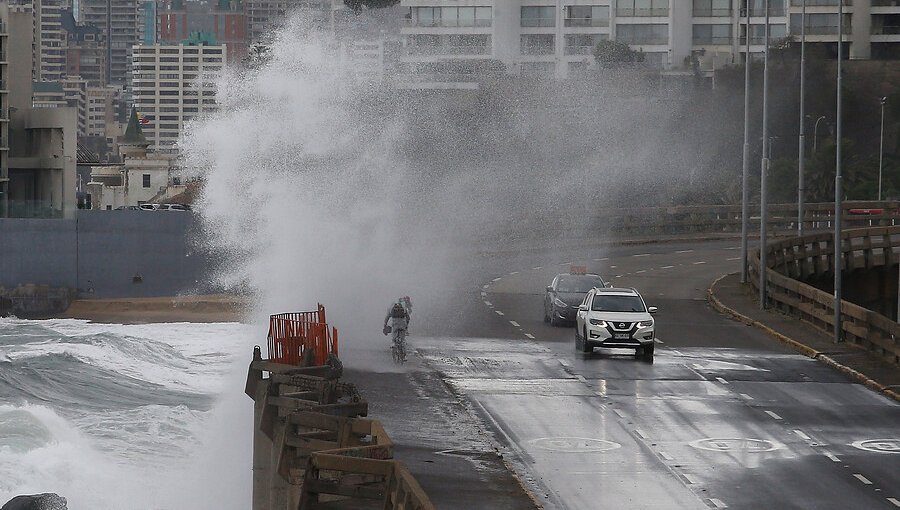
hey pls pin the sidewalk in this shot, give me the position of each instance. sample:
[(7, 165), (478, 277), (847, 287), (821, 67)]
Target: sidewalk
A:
[(731, 297)]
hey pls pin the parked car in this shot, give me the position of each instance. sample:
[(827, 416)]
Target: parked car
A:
[(173, 207), (128, 208), (566, 292), (616, 318)]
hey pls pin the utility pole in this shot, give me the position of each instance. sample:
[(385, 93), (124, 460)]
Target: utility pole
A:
[(881, 147), (838, 188), (800, 161), (764, 169), (745, 191)]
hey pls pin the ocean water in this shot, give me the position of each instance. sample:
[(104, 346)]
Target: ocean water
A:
[(115, 416)]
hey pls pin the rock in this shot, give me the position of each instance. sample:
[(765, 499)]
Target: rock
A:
[(47, 501)]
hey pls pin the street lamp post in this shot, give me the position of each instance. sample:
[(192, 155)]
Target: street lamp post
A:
[(802, 143), (881, 147), (838, 182), (764, 169), (816, 133), (745, 174)]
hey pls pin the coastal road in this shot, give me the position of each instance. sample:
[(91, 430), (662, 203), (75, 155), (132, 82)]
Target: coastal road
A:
[(724, 418)]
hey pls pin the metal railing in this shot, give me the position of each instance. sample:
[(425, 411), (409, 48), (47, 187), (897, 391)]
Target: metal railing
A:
[(302, 338)]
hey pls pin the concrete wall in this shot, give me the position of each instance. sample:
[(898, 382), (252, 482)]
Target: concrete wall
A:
[(113, 253)]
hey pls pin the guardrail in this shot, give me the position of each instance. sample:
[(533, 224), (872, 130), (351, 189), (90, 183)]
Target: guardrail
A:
[(810, 255), (312, 445)]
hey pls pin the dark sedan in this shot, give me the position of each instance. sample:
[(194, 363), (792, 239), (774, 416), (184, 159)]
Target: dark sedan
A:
[(563, 296)]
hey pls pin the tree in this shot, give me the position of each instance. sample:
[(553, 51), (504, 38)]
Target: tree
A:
[(357, 5), (608, 53)]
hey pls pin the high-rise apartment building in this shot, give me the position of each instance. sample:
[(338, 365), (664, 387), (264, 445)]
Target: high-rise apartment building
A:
[(224, 19), (85, 48), (265, 16), (171, 85), (4, 110), (558, 36), (123, 23)]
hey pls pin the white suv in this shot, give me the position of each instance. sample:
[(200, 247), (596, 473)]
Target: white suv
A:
[(616, 318)]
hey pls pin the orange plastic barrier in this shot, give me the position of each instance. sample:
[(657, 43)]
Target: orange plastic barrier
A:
[(294, 336)]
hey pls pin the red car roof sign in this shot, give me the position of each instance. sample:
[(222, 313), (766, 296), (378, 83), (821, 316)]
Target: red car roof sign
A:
[(577, 269)]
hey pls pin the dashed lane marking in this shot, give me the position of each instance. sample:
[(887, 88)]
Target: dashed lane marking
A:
[(581, 378), (613, 267), (641, 255), (566, 264), (666, 456), (773, 415), (498, 312), (718, 503), (514, 273), (895, 501), (748, 397), (485, 286), (618, 276), (620, 414), (563, 363), (733, 248), (684, 251), (640, 433), (483, 294), (734, 258), (529, 335), (488, 303), (802, 435), (497, 279), (657, 340), (832, 456), (862, 479), (723, 381), (667, 267), (537, 268), (641, 271), (699, 262), (514, 323), (690, 478)]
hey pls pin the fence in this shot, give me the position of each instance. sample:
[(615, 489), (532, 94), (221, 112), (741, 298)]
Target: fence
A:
[(302, 338), (814, 254), (312, 445)]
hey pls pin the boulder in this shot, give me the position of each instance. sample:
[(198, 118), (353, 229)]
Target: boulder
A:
[(47, 501)]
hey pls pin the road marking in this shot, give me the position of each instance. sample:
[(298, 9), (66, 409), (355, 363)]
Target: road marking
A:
[(612, 267), (690, 479), (894, 501), (641, 271), (563, 363), (488, 303), (802, 435), (514, 323), (483, 294), (700, 262), (734, 258), (566, 264), (620, 414), (618, 276), (718, 502), (640, 433), (723, 381), (529, 335), (536, 268), (497, 279), (773, 415), (514, 272), (498, 312), (667, 267), (862, 479), (657, 340), (485, 286), (601, 260), (684, 251), (748, 397), (641, 255), (666, 456), (832, 456), (733, 248), (581, 378)]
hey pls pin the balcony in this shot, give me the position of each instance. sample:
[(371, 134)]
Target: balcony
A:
[(712, 13), (579, 50), (775, 12), (587, 22), (662, 12), (448, 23), (714, 41), (885, 30), (3, 28)]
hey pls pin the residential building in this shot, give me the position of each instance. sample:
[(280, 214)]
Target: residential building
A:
[(85, 49), (224, 19), (103, 105), (123, 22), (70, 92), (265, 16), (4, 110), (557, 37), (53, 40), (173, 84)]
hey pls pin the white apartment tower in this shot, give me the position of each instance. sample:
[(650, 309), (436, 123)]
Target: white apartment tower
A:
[(557, 36), (4, 111), (171, 85), (122, 21)]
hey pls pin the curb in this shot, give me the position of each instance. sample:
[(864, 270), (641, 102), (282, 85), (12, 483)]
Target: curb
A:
[(717, 304)]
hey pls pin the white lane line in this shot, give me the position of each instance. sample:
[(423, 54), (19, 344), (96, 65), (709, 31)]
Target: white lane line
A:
[(497, 279), (718, 502), (514, 273), (485, 286), (831, 456), (667, 267), (748, 397), (862, 479), (733, 248), (498, 312), (641, 255), (529, 335), (894, 501), (697, 366), (563, 363), (773, 415), (601, 260), (483, 294), (699, 262), (641, 271), (514, 323), (620, 414), (581, 378), (734, 258), (666, 456), (618, 276), (536, 268), (640, 433), (690, 479), (684, 251), (566, 264), (657, 340), (612, 267), (723, 381), (488, 303), (802, 435)]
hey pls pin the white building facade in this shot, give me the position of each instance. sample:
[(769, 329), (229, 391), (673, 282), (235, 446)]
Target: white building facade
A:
[(173, 84), (558, 36)]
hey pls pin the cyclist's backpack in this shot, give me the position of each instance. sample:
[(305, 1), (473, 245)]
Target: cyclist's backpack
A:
[(397, 312)]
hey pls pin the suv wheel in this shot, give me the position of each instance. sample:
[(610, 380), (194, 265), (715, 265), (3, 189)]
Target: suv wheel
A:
[(648, 353), (546, 315), (584, 346)]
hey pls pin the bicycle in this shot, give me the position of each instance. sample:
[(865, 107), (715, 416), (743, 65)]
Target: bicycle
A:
[(398, 348)]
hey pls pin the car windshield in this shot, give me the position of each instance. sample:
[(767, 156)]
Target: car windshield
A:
[(617, 303), (578, 284)]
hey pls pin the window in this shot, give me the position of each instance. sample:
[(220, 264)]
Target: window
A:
[(587, 16), (758, 7), (428, 16), (539, 16), (617, 303), (583, 44), (642, 34), (146, 178), (462, 17), (641, 8), (538, 44), (758, 33), (819, 24), (710, 8), (712, 34)]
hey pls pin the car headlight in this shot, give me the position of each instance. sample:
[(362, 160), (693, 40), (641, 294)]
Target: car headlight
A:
[(560, 303), (645, 324), (598, 322)]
